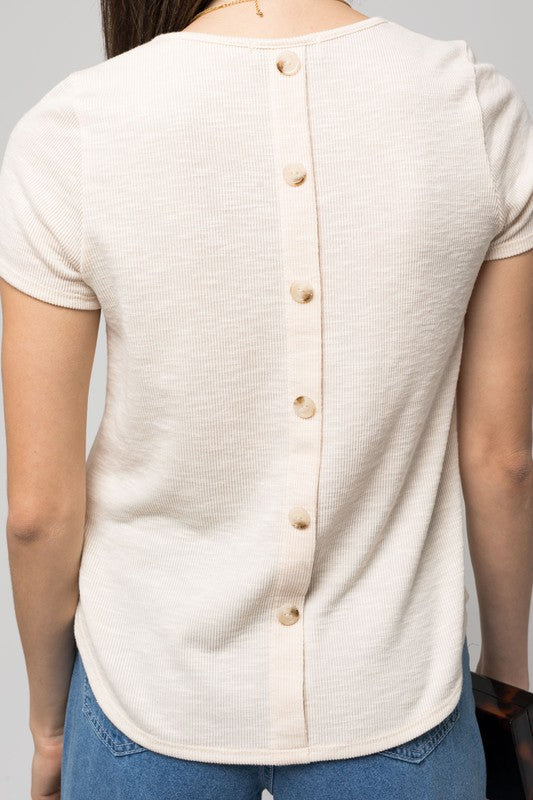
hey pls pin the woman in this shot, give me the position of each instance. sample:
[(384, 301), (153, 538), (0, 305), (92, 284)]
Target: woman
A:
[(310, 232)]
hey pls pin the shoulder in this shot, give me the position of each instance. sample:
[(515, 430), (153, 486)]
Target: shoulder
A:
[(137, 60), (411, 46), (451, 70), (63, 97)]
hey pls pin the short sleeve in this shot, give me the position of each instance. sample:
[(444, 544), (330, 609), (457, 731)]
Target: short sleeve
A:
[(41, 215), (508, 133)]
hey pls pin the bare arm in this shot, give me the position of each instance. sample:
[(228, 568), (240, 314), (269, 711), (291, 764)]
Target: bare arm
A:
[(494, 403), (47, 356)]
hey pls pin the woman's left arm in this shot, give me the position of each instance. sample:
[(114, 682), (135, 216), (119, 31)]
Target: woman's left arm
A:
[(47, 357)]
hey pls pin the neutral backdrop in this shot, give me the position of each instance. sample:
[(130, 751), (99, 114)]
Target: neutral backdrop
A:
[(40, 44)]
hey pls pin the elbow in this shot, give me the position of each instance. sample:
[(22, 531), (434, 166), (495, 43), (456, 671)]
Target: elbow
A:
[(513, 468), (25, 531), (26, 527), (517, 473), (520, 470)]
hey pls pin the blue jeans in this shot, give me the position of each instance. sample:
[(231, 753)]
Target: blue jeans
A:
[(446, 762)]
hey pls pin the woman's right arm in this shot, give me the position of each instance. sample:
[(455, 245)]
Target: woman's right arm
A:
[(494, 407)]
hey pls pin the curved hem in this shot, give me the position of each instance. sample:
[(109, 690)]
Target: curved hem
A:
[(264, 756)]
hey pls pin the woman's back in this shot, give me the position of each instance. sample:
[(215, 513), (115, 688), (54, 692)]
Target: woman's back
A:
[(283, 235)]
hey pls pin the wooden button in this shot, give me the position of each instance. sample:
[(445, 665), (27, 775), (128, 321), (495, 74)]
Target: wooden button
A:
[(299, 517), (304, 407), (288, 63), (288, 615), (301, 292), (294, 174)]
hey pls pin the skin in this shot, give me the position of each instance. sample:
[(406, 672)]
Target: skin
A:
[(280, 18), (494, 405), (47, 358)]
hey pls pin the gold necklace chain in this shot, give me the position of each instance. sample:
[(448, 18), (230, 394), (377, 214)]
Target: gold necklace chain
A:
[(233, 2)]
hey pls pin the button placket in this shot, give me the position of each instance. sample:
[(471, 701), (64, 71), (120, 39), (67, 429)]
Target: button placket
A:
[(294, 177)]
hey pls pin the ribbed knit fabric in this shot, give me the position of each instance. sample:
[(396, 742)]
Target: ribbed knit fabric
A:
[(283, 236)]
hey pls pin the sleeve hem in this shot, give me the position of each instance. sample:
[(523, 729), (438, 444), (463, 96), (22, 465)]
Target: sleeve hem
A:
[(511, 248), (47, 292)]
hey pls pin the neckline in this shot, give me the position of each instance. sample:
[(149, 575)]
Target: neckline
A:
[(278, 41)]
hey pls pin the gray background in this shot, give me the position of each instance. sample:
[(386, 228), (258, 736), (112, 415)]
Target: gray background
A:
[(40, 43)]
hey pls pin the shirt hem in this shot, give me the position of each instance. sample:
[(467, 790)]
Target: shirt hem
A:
[(257, 756)]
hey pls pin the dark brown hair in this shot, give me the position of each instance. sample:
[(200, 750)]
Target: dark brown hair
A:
[(128, 23)]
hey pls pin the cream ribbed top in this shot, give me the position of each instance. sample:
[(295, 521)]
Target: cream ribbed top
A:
[(283, 236)]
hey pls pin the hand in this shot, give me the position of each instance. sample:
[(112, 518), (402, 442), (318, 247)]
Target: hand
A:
[(46, 768)]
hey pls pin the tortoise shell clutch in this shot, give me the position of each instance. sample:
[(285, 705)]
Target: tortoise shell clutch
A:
[(505, 717)]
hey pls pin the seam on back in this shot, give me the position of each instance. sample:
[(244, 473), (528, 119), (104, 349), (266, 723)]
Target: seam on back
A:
[(495, 190)]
